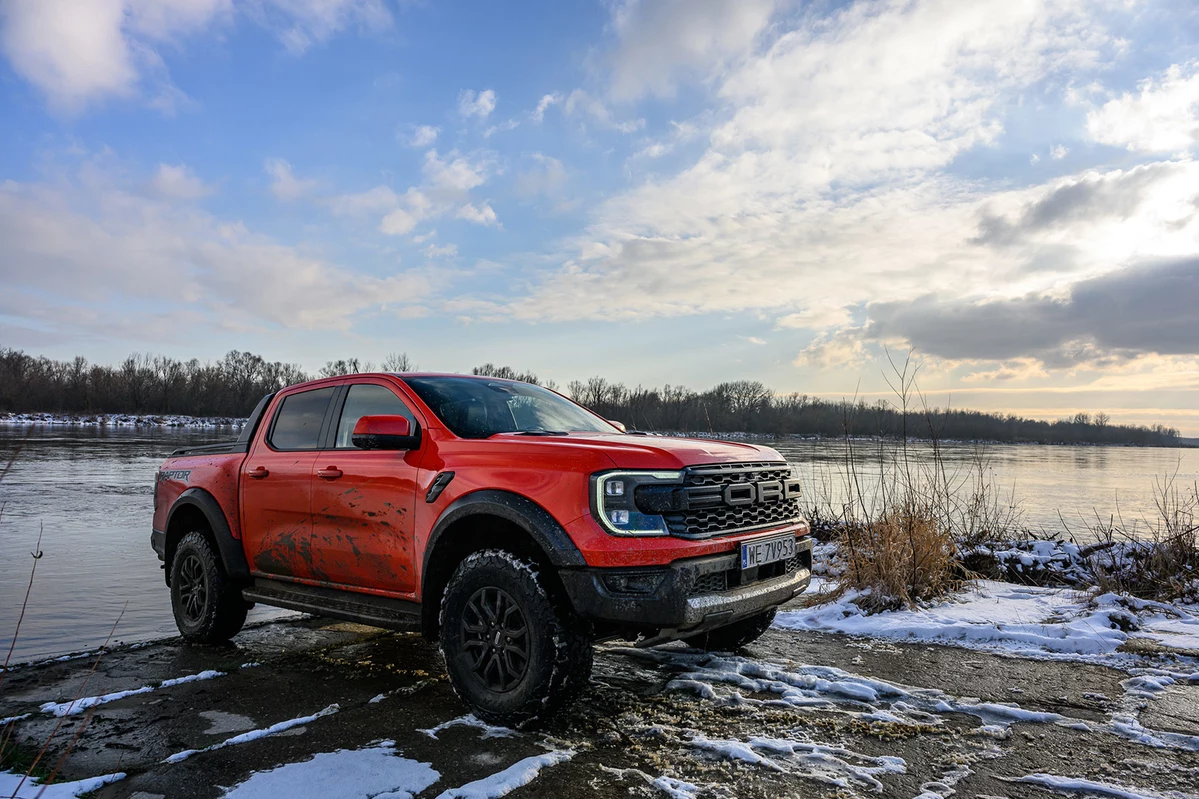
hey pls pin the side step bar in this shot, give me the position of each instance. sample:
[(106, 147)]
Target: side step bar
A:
[(375, 611)]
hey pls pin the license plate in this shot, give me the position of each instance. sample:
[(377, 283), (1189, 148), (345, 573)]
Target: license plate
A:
[(759, 553)]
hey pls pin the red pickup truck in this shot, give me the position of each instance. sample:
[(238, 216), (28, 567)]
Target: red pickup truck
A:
[(500, 518)]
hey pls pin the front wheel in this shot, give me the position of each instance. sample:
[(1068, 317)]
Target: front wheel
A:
[(734, 636), (513, 653), (208, 608)]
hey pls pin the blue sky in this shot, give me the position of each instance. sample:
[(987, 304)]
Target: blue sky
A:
[(667, 191)]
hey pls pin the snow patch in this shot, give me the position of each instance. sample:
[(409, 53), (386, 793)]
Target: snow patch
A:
[(504, 782), (1024, 620), (254, 735), (1093, 788), (77, 706), (374, 771), (59, 790), (831, 765), (488, 730)]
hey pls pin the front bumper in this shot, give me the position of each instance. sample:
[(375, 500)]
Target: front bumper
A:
[(670, 602), (158, 540)]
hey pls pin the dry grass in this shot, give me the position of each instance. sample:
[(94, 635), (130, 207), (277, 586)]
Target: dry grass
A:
[(1151, 558), (904, 558)]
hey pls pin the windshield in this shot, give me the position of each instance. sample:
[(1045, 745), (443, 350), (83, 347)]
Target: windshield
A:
[(478, 408)]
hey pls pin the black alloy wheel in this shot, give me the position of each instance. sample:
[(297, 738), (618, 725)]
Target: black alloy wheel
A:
[(514, 648), (208, 606), (496, 634), (193, 588)]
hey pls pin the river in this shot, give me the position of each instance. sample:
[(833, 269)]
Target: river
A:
[(90, 491)]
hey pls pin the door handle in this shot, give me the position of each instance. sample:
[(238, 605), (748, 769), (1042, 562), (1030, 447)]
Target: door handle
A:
[(329, 473), (258, 472)]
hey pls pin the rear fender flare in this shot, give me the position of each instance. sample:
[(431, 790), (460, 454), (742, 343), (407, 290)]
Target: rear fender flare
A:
[(233, 557)]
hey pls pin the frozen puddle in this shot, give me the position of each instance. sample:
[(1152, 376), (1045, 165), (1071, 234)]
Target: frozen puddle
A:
[(374, 772)]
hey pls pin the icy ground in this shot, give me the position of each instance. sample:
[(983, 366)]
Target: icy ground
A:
[(1025, 620), (1043, 706)]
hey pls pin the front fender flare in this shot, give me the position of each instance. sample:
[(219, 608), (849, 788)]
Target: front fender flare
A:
[(233, 557), (521, 511)]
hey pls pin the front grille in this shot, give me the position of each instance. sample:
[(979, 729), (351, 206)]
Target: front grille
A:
[(718, 582), (706, 513)]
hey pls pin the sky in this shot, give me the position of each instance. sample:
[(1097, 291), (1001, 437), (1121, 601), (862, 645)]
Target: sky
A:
[(656, 191)]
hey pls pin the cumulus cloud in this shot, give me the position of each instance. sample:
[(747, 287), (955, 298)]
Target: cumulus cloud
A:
[(284, 184), (1162, 116), (78, 52), (178, 181), (479, 105), (480, 214)]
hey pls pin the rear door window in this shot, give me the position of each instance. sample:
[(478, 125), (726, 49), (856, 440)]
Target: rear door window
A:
[(367, 399), (299, 419)]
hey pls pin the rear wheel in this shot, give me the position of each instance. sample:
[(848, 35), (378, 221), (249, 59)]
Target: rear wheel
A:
[(734, 636), (513, 653), (208, 608)]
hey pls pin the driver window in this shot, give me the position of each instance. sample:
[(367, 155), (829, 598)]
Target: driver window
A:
[(367, 399)]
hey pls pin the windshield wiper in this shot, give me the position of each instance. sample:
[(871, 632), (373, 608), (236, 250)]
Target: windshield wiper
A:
[(541, 433)]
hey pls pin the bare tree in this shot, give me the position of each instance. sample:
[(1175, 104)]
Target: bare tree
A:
[(398, 362)]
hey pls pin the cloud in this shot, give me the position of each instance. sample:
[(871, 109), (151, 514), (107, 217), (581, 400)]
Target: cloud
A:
[(547, 175), (376, 200), (300, 24), (80, 52), (1162, 117), (179, 182), (476, 105), (660, 41), (284, 184), (1058, 151), (480, 215), (448, 251), (423, 136), (826, 187), (582, 105), (445, 187), (91, 241), (543, 105), (1146, 309), (1089, 199)]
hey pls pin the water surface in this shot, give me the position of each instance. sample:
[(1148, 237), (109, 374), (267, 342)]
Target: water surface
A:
[(90, 491)]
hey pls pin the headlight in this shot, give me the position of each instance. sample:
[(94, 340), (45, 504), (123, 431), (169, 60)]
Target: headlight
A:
[(614, 501)]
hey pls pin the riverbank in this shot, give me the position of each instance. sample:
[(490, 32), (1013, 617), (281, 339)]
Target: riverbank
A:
[(121, 420), (310, 708)]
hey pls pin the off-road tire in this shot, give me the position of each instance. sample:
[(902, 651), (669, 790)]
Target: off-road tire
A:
[(208, 607), (734, 636), (556, 642)]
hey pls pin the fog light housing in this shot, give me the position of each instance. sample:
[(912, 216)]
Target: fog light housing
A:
[(640, 583)]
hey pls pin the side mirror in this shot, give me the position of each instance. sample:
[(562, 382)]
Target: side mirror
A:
[(385, 432), (618, 425)]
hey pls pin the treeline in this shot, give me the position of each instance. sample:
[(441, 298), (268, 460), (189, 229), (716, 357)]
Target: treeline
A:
[(230, 387)]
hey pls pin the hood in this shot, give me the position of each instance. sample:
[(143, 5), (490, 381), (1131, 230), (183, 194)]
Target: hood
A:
[(659, 452)]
